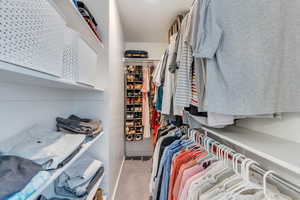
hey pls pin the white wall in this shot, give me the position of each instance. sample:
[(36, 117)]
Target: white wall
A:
[(155, 50), (100, 10), (111, 74), (23, 106), (115, 96)]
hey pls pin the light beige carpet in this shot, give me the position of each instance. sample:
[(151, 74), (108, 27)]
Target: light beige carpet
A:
[(134, 181)]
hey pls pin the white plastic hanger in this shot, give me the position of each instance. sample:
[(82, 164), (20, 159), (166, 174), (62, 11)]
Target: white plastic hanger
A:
[(265, 185), (222, 154), (230, 193), (246, 175), (235, 162), (232, 181)]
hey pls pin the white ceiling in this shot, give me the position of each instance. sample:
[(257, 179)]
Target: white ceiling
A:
[(149, 20)]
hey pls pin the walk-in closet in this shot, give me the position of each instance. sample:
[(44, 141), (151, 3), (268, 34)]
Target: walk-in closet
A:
[(149, 100)]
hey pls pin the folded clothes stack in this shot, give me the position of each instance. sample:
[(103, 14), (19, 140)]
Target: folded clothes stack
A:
[(78, 180), (20, 178), (49, 149), (77, 125), (54, 198)]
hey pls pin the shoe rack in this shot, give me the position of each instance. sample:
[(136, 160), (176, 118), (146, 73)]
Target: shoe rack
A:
[(133, 102)]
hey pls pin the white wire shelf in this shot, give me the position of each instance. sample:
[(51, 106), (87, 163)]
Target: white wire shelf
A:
[(58, 172)]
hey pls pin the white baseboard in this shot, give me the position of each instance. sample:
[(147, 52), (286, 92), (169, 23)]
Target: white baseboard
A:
[(118, 180)]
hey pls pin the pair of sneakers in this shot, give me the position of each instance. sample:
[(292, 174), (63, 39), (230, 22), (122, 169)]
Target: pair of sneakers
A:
[(134, 137)]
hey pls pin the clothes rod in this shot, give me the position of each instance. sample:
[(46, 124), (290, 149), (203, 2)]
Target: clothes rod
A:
[(259, 169)]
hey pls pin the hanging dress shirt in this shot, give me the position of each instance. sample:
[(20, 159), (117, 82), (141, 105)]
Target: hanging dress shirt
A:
[(146, 107), (169, 86), (183, 79), (248, 54)]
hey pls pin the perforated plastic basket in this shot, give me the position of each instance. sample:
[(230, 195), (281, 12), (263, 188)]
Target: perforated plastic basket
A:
[(31, 35), (70, 55)]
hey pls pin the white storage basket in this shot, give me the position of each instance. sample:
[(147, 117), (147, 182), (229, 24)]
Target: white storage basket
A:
[(31, 35), (70, 55)]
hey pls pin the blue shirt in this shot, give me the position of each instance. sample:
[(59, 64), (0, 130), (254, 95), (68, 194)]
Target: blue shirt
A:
[(36, 182), (159, 98), (165, 167)]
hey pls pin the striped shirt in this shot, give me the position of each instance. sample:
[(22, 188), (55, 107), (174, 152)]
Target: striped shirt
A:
[(183, 76)]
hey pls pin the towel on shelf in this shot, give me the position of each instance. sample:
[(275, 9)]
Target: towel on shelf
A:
[(48, 148)]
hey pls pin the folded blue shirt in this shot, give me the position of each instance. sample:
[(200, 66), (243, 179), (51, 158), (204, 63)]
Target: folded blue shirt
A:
[(36, 182)]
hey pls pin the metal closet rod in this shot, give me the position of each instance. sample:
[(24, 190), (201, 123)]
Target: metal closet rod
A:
[(260, 170), (128, 62), (140, 60)]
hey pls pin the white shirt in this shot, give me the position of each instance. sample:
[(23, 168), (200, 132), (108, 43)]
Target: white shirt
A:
[(169, 87), (42, 146)]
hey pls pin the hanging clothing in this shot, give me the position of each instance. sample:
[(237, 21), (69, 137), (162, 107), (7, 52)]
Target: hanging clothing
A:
[(154, 125), (189, 171), (252, 64), (146, 106), (160, 70), (160, 94), (169, 86), (164, 170), (226, 80), (172, 66), (192, 27), (184, 62), (186, 171), (162, 143), (195, 87), (178, 161)]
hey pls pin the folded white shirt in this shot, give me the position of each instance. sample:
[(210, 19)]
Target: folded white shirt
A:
[(42, 146)]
